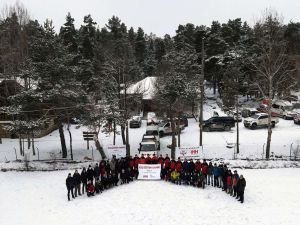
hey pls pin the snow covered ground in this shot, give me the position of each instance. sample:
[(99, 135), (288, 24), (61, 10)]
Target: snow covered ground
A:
[(285, 141), (271, 198)]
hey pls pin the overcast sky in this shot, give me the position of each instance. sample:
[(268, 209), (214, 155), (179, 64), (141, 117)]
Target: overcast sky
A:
[(158, 16)]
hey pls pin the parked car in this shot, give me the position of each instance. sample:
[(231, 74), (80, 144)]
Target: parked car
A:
[(165, 127), (297, 119), (279, 108), (219, 123), (153, 131), (148, 147), (135, 121), (151, 118), (151, 138), (259, 120)]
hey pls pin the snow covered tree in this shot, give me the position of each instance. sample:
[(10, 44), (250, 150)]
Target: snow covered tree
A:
[(140, 46), (176, 84), (68, 34), (274, 71)]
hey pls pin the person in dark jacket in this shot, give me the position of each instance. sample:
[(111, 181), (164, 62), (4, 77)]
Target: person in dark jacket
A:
[(224, 175), (83, 177), (210, 174), (70, 185), (96, 172), (241, 188), (98, 187), (90, 173), (77, 182)]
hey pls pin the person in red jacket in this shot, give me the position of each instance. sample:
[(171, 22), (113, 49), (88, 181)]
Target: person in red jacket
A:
[(142, 160), (90, 189), (204, 169), (160, 160), (229, 182), (178, 165), (148, 159), (154, 159), (165, 168), (198, 166), (172, 165)]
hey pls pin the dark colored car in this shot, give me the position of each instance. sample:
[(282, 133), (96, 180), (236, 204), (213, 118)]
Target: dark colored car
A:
[(219, 123), (135, 122)]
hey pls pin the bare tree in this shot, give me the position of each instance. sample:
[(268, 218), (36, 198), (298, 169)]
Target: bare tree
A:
[(17, 8), (274, 71)]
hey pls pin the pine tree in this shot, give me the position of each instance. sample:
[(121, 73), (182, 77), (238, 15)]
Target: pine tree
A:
[(140, 46), (68, 34)]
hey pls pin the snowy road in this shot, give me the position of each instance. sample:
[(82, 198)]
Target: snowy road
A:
[(271, 197)]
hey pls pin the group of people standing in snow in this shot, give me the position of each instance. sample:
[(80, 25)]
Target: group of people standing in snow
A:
[(112, 172), (102, 176), (199, 174)]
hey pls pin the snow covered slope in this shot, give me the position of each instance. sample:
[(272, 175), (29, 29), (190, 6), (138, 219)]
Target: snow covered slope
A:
[(271, 198)]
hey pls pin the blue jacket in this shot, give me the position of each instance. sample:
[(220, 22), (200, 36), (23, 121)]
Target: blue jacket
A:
[(216, 171)]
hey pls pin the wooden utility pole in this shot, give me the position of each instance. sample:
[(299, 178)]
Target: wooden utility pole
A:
[(202, 95)]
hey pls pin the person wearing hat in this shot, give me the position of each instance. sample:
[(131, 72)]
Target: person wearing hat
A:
[(70, 185), (241, 188)]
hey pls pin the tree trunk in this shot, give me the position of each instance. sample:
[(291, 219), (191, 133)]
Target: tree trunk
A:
[(127, 141), (32, 140), (173, 139), (179, 131), (114, 143), (70, 135), (99, 148), (62, 141), (20, 143), (269, 131), (237, 127), (28, 140), (214, 85), (123, 134), (270, 94)]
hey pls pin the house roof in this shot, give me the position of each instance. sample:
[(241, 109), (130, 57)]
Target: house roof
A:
[(146, 87)]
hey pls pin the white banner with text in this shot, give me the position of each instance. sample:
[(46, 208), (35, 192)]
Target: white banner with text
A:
[(149, 171), (189, 152), (118, 150)]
